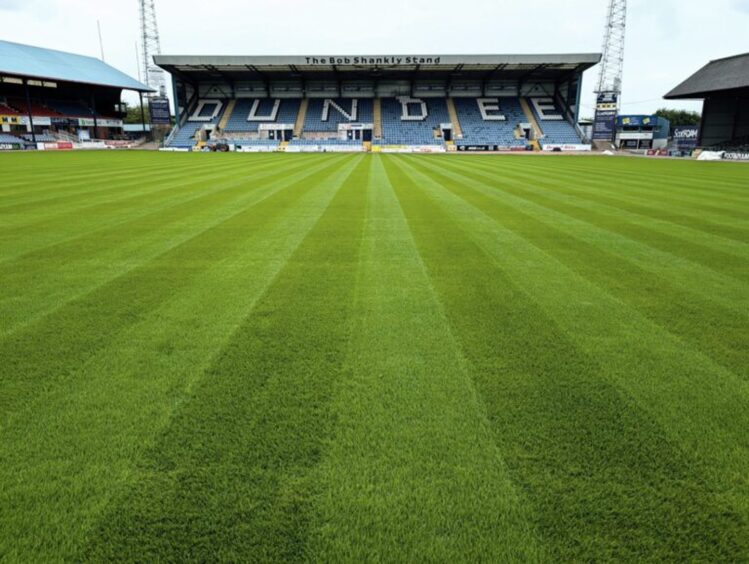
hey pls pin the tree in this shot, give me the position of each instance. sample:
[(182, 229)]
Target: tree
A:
[(134, 114), (679, 117)]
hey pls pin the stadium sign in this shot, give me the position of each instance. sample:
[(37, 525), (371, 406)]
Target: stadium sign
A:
[(567, 147), (10, 146), (477, 148), (394, 60), (159, 110), (735, 156), (604, 123), (686, 136)]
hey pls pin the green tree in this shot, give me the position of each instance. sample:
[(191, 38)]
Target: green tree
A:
[(679, 117), (134, 114)]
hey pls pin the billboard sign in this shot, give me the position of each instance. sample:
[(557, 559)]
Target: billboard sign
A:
[(686, 137), (636, 121), (604, 124), (477, 148), (160, 113)]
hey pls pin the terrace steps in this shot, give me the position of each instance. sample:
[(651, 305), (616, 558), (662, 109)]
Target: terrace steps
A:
[(537, 131), (377, 118), (452, 110), (301, 116), (228, 111)]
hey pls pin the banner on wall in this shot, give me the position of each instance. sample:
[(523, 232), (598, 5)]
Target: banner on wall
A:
[(160, 113), (567, 147), (735, 156)]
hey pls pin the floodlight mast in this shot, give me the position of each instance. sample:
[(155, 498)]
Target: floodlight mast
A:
[(609, 92), (152, 75), (612, 64)]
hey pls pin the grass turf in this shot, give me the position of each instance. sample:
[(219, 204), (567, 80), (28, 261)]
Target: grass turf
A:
[(373, 358)]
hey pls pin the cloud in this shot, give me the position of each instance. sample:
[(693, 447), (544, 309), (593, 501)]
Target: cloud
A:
[(13, 5)]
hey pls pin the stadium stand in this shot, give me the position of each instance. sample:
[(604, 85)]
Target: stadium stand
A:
[(489, 127), (424, 104), (411, 121), (555, 128), (50, 96)]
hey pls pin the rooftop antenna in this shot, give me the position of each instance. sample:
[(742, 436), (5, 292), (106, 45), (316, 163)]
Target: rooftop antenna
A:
[(609, 89), (101, 43), (137, 60), (152, 75)]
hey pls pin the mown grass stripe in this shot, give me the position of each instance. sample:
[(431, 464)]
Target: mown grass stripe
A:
[(700, 179), (86, 194), (74, 332), (24, 237), (115, 403), (76, 170), (560, 184), (412, 472), (228, 480), (545, 184), (604, 480), (639, 245), (672, 191), (720, 332), (700, 220), (90, 261)]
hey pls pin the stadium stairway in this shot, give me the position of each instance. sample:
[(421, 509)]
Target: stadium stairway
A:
[(537, 131), (227, 114), (301, 116), (377, 133), (457, 131)]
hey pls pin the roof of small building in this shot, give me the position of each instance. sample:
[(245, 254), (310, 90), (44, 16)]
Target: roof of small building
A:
[(731, 73), (47, 64)]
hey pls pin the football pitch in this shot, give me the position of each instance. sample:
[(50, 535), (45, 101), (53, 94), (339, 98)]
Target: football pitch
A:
[(358, 358)]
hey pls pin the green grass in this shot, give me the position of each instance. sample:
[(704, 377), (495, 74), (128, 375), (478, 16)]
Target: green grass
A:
[(373, 358)]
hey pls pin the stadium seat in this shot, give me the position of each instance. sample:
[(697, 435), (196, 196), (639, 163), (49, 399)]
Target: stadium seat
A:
[(414, 125), (314, 122), (488, 128), (286, 113), (556, 129)]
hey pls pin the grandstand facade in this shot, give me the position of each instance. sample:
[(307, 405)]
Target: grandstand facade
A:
[(723, 84), (52, 99), (380, 103)]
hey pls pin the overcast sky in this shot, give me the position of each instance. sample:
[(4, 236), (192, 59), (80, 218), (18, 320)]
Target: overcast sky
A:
[(667, 39)]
